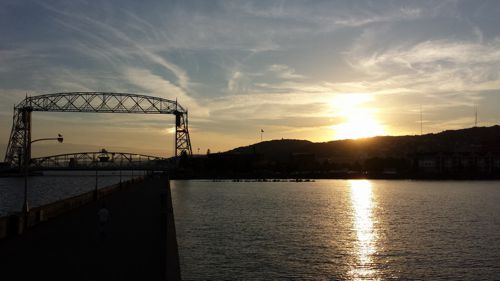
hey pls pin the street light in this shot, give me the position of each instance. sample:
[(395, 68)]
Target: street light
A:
[(59, 138), (121, 167), (102, 157), (27, 160)]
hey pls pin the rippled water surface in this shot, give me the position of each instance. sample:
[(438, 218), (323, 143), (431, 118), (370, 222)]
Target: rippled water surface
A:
[(338, 230), (53, 186)]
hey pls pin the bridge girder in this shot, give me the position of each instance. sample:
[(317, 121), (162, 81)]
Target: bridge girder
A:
[(91, 102), (100, 160)]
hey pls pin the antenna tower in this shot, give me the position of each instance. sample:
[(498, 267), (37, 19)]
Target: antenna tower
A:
[(421, 120), (475, 115)]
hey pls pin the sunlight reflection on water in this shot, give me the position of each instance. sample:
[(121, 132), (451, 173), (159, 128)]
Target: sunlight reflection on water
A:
[(366, 243)]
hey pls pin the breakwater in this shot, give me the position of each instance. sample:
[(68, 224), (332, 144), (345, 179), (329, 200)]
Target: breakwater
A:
[(65, 240), (14, 224)]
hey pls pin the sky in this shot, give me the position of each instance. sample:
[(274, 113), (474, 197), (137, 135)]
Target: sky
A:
[(314, 70)]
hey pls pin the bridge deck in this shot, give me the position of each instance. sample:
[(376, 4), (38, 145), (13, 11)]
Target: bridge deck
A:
[(70, 247)]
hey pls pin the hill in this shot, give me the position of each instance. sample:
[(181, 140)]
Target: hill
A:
[(463, 140), (472, 153)]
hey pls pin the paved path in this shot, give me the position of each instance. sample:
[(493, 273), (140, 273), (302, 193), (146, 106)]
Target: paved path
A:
[(70, 247)]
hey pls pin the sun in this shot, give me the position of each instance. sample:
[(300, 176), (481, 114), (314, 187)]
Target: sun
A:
[(360, 123), (359, 120)]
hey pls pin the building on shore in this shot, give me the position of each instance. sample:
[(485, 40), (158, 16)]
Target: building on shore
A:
[(468, 162)]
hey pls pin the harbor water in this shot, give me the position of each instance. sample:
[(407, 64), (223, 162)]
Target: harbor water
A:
[(338, 230), (54, 186)]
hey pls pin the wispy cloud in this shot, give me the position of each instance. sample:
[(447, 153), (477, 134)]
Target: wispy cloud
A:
[(285, 72), (121, 45), (436, 66), (161, 87)]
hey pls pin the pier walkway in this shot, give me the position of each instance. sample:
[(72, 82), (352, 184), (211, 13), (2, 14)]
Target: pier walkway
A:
[(138, 242)]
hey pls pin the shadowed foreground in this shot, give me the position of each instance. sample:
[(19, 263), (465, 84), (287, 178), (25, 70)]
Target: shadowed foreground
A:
[(71, 247)]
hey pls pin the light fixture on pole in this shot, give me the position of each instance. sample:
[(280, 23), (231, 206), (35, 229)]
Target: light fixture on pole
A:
[(27, 160), (101, 158)]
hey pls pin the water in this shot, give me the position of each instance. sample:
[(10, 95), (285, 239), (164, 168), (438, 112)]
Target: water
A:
[(53, 186), (338, 230)]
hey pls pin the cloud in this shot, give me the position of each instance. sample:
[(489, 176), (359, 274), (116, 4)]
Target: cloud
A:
[(238, 83), (436, 66), (285, 72), (117, 40), (159, 86), (327, 16)]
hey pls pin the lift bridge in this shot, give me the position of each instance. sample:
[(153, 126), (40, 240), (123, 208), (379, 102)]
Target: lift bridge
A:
[(18, 152)]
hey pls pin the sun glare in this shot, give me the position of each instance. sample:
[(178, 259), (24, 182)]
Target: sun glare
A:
[(359, 120)]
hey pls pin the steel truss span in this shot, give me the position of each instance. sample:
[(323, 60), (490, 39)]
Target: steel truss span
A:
[(92, 102), (101, 160)]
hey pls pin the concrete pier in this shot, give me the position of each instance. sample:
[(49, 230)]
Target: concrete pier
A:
[(137, 243)]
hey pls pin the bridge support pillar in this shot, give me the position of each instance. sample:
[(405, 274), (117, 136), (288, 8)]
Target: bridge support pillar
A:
[(182, 141), (19, 148)]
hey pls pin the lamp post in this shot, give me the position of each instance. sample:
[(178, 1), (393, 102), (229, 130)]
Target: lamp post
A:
[(96, 181), (132, 168), (121, 167), (27, 160), (102, 157)]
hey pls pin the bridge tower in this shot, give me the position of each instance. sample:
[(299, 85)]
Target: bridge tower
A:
[(19, 148), (182, 141)]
